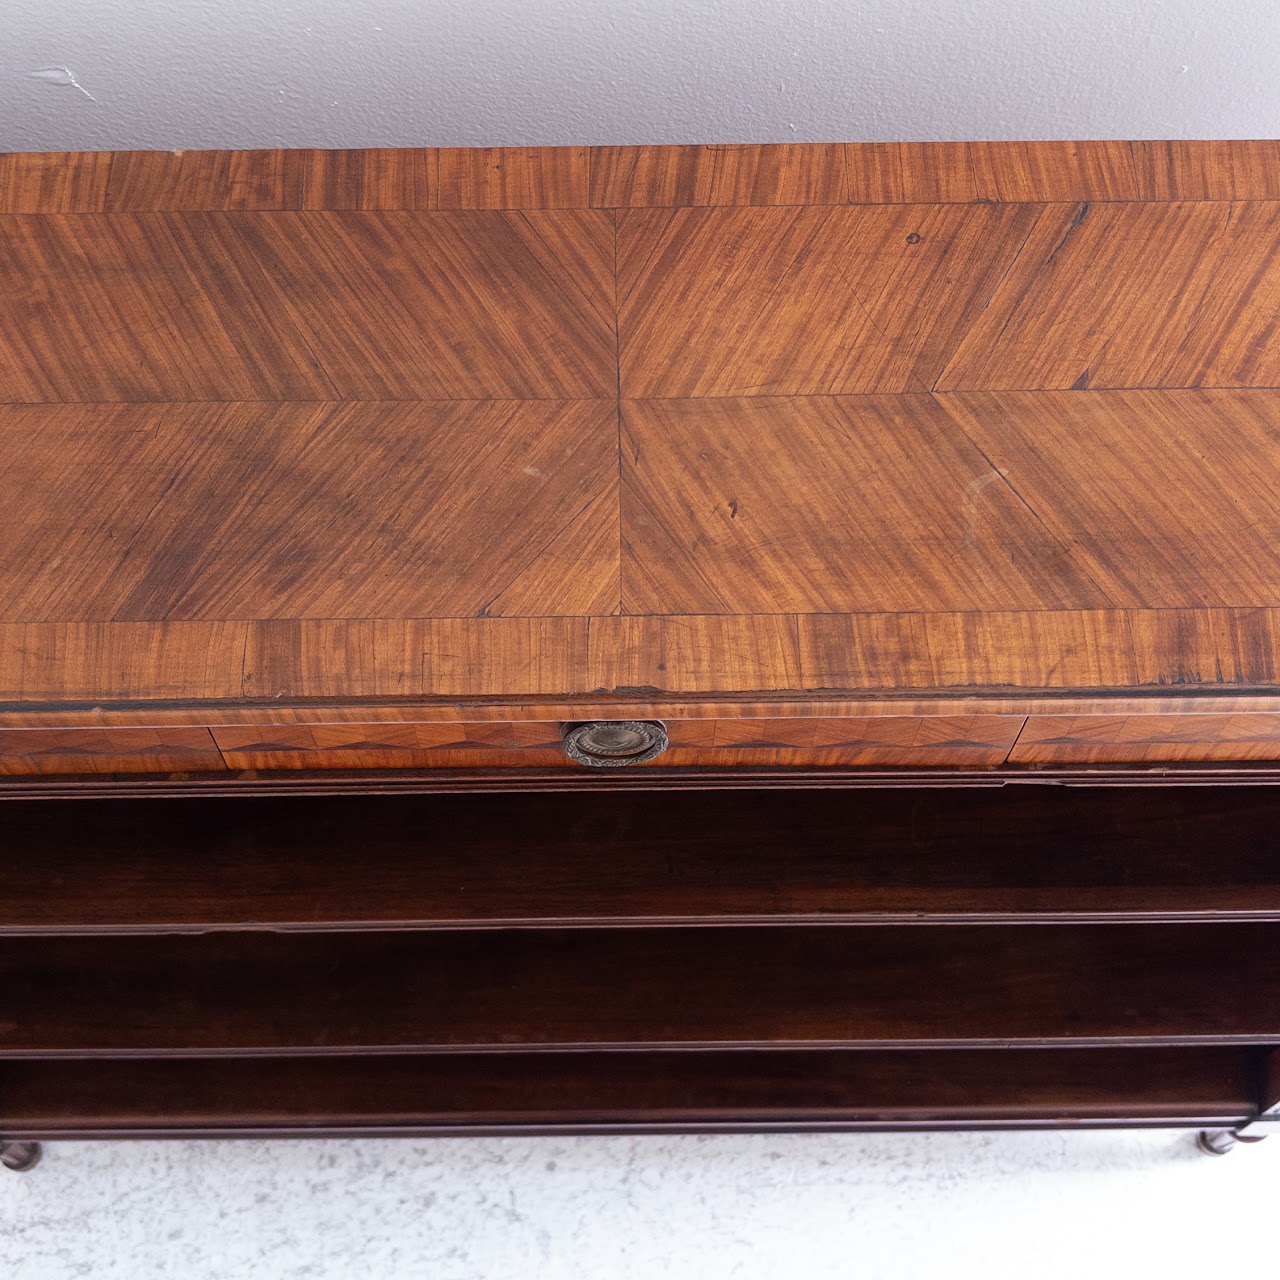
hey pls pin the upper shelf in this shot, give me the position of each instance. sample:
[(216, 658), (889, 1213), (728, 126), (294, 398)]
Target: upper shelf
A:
[(954, 420)]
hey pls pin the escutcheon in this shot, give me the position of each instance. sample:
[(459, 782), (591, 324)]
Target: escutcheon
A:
[(607, 744)]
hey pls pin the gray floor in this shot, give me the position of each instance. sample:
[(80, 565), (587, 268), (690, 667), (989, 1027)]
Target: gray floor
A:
[(1042, 1205)]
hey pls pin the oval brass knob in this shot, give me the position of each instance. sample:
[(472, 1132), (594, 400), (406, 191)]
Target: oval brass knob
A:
[(606, 744)]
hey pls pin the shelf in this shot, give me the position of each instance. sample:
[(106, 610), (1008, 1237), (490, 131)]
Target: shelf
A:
[(507, 990), (613, 858)]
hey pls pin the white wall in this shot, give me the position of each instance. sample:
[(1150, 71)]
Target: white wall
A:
[(252, 73), (1030, 1206)]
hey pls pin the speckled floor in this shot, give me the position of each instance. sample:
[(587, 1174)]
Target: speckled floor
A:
[(1035, 1206)]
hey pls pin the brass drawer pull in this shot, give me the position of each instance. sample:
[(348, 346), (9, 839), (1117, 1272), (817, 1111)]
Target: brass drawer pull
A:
[(607, 744)]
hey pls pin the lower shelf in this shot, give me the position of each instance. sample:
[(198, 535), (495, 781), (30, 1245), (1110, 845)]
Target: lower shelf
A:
[(504, 991), (618, 1092)]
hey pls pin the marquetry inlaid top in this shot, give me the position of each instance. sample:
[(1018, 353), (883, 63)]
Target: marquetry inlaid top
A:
[(813, 422)]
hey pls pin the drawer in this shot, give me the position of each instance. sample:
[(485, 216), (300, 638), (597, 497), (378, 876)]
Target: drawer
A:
[(917, 741)]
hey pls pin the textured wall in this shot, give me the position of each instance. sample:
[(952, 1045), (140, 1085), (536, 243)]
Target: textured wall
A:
[(253, 73), (885, 1207)]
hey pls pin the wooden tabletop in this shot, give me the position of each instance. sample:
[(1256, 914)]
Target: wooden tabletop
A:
[(806, 423)]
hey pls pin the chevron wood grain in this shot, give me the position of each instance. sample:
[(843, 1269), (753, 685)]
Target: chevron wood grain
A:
[(727, 302), (403, 438), (1134, 295), (306, 306), (809, 504), (266, 510), (1165, 498)]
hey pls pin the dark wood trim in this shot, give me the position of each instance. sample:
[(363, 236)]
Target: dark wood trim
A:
[(601, 1092), (426, 781)]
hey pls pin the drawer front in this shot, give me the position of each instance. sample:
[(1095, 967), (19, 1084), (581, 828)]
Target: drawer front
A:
[(915, 741), (927, 741), (116, 750), (1147, 739)]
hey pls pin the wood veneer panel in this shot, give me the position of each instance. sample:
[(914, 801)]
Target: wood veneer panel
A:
[(818, 504), (374, 178), (910, 172), (407, 746), (243, 530), (785, 173), (57, 751), (289, 511), (928, 856), (641, 1090), (1183, 169), (54, 182), (1166, 498), (894, 986), (1037, 171), (641, 666), (1133, 295), (887, 740), (1073, 649), (144, 307), (731, 302), (76, 661), (449, 305), (306, 306), (1097, 739), (996, 659), (530, 177), (259, 511), (711, 653), (514, 177), (148, 181)]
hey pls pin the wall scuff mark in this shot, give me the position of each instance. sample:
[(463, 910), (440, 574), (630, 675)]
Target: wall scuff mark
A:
[(62, 76)]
